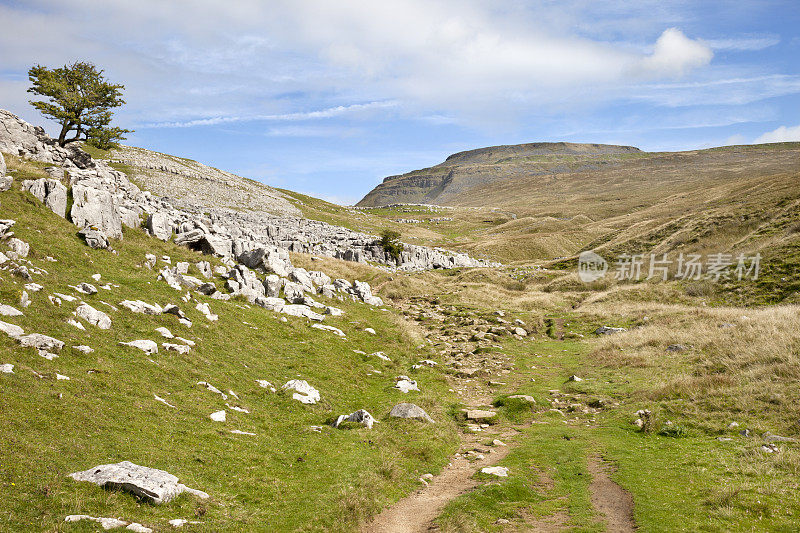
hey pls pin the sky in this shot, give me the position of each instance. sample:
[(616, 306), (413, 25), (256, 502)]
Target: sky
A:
[(329, 97)]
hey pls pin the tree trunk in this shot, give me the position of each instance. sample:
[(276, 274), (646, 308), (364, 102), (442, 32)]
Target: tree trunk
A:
[(62, 137)]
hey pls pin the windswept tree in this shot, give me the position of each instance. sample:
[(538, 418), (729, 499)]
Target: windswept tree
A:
[(80, 99)]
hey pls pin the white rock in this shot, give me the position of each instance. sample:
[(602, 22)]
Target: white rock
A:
[(203, 308), (11, 330), (185, 341), (332, 329), (264, 384), (359, 417), (151, 484), (93, 316), (7, 310), (40, 342), (33, 287), (61, 377), (381, 355), (162, 400), (179, 522), (370, 330), (82, 348), (105, 523), (73, 322), (499, 471), (180, 348), (304, 393), (167, 334), (405, 384), (65, 297), (86, 288), (213, 389), (138, 306), (96, 277), (7, 368), (239, 432), (147, 346), (218, 416), (237, 409)]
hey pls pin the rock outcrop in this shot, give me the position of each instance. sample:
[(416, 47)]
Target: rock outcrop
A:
[(105, 200)]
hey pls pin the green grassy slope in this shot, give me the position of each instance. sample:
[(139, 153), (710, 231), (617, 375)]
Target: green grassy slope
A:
[(287, 477)]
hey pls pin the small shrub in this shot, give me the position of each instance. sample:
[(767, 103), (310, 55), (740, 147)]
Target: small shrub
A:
[(390, 240)]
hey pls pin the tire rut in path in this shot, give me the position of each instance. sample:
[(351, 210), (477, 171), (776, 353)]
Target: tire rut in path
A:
[(610, 499), (416, 512)]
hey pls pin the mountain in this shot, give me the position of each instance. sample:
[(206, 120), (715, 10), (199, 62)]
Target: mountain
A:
[(449, 183)]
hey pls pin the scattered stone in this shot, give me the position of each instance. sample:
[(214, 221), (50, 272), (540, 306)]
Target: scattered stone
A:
[(147, 346), (479, 414), (94, 238), (359, 417), (382, 356), (93, 316), (304, 393), (771, 437), (149, 484), (523, 397), (332, 329), (7, 368), (73, 322), (677, 348), (180, 348), (605, 330), (138, 306), (370, 330), (499, 471), (409, 410), (264, 384), (180, 522), (41, 342), (405, 384), (162, 400), (213, 389), (236, 408), (86, 288), (167, 334), (497, 442), (105, 523), (7, 310), (218, 416), (239, 432), (203, 308), (61, 377), (51, 192), (574, 378), (19, 248)]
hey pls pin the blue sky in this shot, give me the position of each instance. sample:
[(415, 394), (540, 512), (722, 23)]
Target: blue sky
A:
[(327, 98)]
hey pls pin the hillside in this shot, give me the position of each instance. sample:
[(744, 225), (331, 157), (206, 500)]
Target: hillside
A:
[(292, 390), (537, 208)]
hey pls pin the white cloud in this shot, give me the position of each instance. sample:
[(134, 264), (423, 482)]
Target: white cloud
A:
[(743, 43), (780, 135), (307, 115), (229, 62), (675, 54)]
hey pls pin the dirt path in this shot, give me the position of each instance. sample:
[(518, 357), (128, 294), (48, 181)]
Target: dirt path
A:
[(416, 512), (610, 499)]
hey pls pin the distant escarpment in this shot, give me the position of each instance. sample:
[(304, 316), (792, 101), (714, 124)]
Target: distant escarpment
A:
[(450, 182)]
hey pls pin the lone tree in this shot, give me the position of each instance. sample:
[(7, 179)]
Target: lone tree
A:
[(80, 99), (390, 240)]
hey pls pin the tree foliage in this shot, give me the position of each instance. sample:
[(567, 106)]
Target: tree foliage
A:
[(80, 99), (390, 240)]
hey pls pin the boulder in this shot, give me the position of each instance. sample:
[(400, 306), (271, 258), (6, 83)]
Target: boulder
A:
[(359, 417), (94, 238), (270, 260), (93, 316), (271, 303), (138, 306), (93, 206), (479, 414), (19, 248), (294, 292), (499, 471), (7, 310), (51, 192), (272, 285), (41, 342), (300, 310), (605, 330), (147, 346), (11, 330), (159, 226), (303, 392), (2, 166), (149, 484), (409, 410), (405, 384)]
